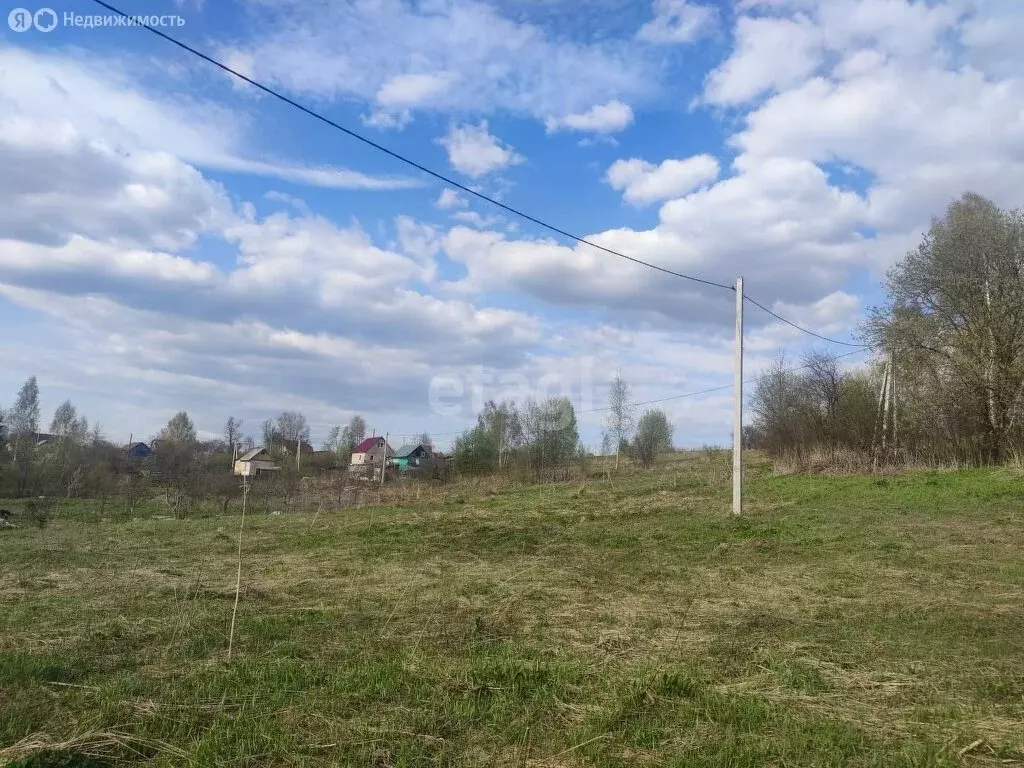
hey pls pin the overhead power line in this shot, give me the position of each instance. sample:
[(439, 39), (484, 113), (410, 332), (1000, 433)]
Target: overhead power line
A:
[(801, 328), (725, 386), (448, 180), (664, 399), (408, 161), (651, 402), (667, 399)]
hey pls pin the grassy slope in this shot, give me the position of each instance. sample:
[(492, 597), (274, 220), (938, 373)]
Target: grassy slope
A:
[(845, 621)]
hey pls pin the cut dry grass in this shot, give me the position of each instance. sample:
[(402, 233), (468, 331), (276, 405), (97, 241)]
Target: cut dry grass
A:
[(94, 746), (623, 620)]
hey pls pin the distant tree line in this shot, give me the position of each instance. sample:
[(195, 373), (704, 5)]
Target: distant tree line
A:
[(947, 384), (535, 438), (538, 439), (73, 459), (813, 407)]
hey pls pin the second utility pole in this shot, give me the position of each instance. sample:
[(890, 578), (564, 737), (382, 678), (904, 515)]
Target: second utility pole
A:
[(737, 407)]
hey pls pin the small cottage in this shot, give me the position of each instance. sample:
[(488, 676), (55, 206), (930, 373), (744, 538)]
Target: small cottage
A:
[(373, 451), (255, 462), (410, 456), (138, 451)]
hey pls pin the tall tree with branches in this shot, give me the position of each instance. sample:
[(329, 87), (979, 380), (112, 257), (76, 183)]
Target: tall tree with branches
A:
[(293, 430), (23, 427), (23, 418), (177, 460), (619, 422), (64, 419), (333, 441), (64, 455), (353, 433), (232, 433), (292, 427), (955, 313), (179, 430)]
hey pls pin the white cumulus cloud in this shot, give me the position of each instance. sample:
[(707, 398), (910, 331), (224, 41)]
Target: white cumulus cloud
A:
[(450, 198), (105, 99), (642, 182), (678, 21), (410, 90), (770, 53), (387, 119), (401, 54), (474, 151), (611, 117)]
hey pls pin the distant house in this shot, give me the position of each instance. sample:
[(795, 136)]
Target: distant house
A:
[(373, 451), (42, 438), (138, 451), (410, 456), (255, 462)]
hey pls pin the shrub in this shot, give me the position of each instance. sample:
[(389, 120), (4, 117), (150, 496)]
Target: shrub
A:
[(37, 512)]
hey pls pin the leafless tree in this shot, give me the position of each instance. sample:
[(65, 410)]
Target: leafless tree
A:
[(179, 430), (292, 428), (775, 404), (550, 436), (62, 459), (352, 434), (23, 426), (619, 423), (232, 433)]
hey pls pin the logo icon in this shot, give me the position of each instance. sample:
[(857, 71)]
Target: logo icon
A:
[(20, 19), (45, 19)]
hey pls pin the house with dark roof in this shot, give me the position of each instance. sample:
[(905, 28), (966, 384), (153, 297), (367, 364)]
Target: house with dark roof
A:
[(138, 451), (373, 451), (410, 456)]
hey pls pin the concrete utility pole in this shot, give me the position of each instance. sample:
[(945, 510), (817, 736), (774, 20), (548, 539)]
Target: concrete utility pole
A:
[(737, 408), (887, 404), (384, 461), (881, 413), (892, 386)]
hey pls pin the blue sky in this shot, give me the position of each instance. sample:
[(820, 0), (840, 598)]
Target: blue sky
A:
[(174, 239)]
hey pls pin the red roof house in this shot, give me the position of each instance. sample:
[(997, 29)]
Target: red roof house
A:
[(372, 450)]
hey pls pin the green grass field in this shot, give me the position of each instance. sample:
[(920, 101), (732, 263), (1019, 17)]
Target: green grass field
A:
[(624, 621)]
